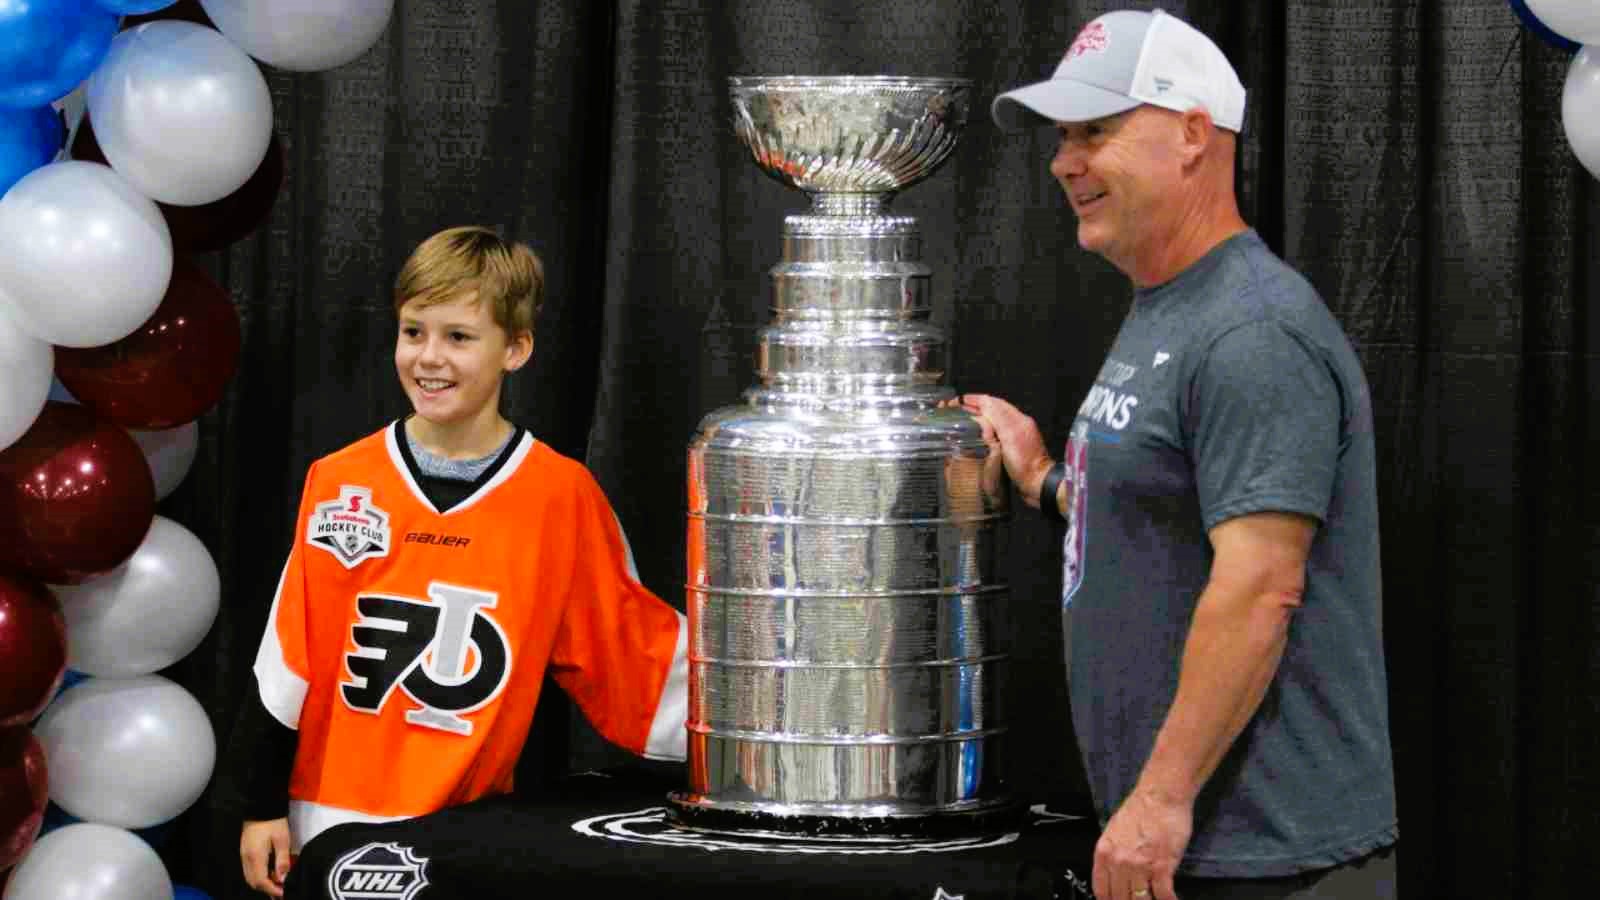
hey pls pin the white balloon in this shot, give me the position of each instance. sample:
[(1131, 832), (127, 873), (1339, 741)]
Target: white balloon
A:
[(1575, 20), (170, 453), (181, 112), (129, 752), (87, 258), (90, 861), (1580, 108), (27, 365), (301, 35), (147, 613)]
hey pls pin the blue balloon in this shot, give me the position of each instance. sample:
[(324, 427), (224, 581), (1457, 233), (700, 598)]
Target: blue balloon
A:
[(135, 7), (29, 138), (48, 47), (185, 892), (1532, 23)]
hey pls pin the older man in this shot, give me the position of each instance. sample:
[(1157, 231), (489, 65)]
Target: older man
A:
[(1221, 580)]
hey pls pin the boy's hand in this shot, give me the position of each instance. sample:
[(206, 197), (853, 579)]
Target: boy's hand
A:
[(264, 851)]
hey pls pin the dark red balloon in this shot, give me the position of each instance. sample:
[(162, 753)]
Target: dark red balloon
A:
[(33, 643), (220, 223), (76, 497), (170, 369), (23, 792)]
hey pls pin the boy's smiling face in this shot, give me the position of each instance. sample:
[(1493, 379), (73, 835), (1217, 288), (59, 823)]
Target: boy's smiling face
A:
[(450, 357)]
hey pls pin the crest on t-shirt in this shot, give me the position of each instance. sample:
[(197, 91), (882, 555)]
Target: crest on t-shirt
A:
[(1092, 39), (378, 871), (350, 528)]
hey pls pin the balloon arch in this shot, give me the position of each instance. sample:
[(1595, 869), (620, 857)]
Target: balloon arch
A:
[(133, 135)]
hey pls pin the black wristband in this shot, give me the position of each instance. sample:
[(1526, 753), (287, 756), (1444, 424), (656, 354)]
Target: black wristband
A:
[(1047, 492)]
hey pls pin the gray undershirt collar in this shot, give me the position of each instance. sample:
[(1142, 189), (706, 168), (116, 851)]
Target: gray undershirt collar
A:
[(455, 469)]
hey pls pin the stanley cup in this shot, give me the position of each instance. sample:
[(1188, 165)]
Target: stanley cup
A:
[(846, 625)]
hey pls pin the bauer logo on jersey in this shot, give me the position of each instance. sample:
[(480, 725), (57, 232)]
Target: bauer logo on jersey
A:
[(378, 872), (350, 528), (445, 653)]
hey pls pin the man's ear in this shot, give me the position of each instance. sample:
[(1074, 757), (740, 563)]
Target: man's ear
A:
[(1199, 135)]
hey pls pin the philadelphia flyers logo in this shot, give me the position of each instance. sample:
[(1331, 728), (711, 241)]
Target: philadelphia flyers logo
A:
[(446, 653)]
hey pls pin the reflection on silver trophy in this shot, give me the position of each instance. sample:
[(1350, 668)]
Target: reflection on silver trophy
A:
[(847, 624)]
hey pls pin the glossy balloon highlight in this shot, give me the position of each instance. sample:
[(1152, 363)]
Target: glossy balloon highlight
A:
[(209, 226), (147, 613), (47, 48), (90, 861), (171, 368), (130, 752), (302, 35), (87, 259), (78, 496)]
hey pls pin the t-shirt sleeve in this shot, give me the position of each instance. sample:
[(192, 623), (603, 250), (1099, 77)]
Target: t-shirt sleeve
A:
[(621, 652), (282, 667), (1263, 420)]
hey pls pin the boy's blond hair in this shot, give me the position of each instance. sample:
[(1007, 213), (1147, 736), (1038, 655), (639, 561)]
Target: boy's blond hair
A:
[(505, 274)]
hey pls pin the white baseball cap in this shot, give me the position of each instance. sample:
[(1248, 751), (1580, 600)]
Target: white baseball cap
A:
[(1123, 59)]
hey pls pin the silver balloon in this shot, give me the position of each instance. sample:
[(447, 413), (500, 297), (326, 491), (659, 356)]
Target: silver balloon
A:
[(170, 453), (90, 861), (301, 35), (130, 752), (1575, 20), (181, 112), (26, 366), (1580, 108), (147, 613), (87, 257)]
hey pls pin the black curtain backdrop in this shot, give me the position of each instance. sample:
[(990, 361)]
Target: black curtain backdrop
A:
[(1407, 156)]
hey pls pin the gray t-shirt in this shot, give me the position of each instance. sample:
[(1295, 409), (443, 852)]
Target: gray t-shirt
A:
[(1232, 390)]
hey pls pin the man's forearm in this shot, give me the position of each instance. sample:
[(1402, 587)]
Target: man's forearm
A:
[(1235, 644)]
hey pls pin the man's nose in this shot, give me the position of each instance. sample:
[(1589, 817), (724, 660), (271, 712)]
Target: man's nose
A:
[(1068, 160)]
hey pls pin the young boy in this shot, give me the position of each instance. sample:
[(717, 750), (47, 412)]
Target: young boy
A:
[(440, 567)]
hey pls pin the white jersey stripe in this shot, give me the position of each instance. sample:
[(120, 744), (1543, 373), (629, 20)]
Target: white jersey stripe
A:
[(283, 692)]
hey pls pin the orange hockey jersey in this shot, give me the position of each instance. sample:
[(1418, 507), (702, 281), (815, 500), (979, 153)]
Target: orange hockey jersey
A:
[(408, 645)]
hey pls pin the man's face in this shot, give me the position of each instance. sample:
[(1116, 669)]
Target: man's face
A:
[(450, 357), (1120, 174)]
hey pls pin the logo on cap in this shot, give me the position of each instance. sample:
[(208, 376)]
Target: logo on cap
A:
[(1092, 39)]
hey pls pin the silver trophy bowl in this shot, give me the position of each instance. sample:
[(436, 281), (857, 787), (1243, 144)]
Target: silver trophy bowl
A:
[(849, 135), (847, 625)]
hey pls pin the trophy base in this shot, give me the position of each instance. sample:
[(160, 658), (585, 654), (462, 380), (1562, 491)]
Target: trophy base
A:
[(815, 822)]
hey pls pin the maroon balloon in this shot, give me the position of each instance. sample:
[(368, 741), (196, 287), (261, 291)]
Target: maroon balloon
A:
[(33, 643), (76, 497), (220, 223), (170, 369), (24, 789)]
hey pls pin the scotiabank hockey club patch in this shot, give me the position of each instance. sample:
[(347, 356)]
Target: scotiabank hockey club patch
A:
[(378, 871), (350, 528)]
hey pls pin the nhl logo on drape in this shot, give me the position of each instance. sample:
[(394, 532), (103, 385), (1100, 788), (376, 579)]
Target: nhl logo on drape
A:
[(378, 871)]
